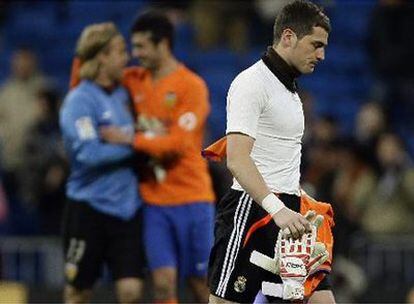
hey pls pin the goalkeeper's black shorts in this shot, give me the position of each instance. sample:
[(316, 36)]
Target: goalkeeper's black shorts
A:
[(240, 229)]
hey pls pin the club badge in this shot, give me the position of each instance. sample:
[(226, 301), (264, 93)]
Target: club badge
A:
[(240, 284), (170, 99), (71, 270)]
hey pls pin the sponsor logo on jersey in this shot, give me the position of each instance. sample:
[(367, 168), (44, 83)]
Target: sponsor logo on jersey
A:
[(85, 128), (188, 121)]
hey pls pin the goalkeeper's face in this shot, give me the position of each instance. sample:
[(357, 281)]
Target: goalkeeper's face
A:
[(305, 53), (146, 51), (115, 58)]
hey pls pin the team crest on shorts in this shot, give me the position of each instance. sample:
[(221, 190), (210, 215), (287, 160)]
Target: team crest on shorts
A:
[(71, 270), (240, 284)]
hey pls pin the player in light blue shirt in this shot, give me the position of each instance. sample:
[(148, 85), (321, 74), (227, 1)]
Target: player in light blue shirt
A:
[(103, 216), (100, 172)]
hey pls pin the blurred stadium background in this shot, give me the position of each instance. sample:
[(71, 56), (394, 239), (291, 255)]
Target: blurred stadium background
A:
[(358, 147)]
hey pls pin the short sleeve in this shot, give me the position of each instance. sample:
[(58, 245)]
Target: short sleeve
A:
[(245, 103), (77, 118)]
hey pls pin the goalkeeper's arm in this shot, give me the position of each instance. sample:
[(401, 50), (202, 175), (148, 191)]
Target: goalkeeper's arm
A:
[(244, 170)]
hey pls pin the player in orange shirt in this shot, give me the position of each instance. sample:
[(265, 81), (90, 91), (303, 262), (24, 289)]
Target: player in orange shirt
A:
[(172, 103)]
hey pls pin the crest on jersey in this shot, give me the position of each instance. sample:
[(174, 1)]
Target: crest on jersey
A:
[(170, 99)]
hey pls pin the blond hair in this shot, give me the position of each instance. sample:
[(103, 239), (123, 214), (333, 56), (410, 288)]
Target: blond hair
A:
[(93, 41)]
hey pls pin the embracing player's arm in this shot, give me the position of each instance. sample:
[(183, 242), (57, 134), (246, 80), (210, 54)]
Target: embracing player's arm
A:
[(188, 116), (79, 126)]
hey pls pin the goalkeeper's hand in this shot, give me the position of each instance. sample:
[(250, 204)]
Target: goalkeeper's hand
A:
[(297, 260), (294, 260)]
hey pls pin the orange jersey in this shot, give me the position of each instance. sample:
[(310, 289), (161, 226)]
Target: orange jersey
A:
[(179, 102)]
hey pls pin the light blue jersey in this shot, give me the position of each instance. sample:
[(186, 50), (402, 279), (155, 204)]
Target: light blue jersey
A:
[(100, 173)]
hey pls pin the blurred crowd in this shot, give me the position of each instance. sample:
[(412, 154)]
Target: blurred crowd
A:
[(367, 173), (33, 164)]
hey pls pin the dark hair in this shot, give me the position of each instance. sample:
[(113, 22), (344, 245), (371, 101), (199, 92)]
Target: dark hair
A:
[(300, 16), (157, 23)]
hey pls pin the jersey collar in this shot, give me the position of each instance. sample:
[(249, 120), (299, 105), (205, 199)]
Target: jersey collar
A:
[(284, 72)]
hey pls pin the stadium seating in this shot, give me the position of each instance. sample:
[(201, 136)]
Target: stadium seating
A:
[(340, 78)]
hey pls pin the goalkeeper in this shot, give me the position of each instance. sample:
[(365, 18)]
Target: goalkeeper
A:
[(265, 125)]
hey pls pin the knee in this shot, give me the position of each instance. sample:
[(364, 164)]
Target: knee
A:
[(200, 289), (163, 289), (129, 295), (216, 300), (129, 290), (164, 285), (73, 295)]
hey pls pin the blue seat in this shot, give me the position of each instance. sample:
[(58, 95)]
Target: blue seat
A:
[(344, 59), (350, 20), (346, 110), (246, 60), (103, 10), (218, 81), (220, 57)]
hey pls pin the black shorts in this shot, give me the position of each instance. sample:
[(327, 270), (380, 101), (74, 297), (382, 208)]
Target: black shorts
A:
[(231, 275), (92, 238)]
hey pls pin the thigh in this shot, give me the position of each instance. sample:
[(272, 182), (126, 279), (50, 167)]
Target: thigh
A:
[(159, 240), (125, 251), (231, 275), (84, 245), (200, 238)]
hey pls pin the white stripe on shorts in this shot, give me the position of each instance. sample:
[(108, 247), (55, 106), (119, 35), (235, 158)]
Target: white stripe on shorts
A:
[(230, 244), (240, 236), (239, 222)]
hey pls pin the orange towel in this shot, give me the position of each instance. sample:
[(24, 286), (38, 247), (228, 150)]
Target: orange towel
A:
[(216, 151), (324, 235)]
